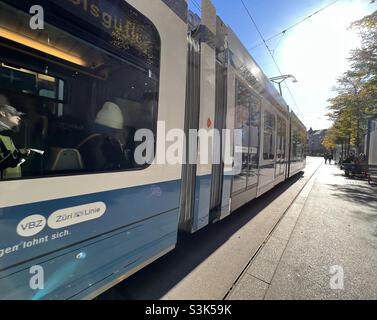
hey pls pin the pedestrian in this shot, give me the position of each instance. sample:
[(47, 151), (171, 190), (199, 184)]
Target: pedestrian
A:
[(326, 158), (362, 159), (330, 157)]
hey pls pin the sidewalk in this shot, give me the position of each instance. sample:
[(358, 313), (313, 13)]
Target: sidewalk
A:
[(332, 224)]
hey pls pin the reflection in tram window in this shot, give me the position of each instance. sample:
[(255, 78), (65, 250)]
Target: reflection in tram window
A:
[(269, 136), (281, 145), (297, 146), (247, 120), (281, 136), (83, 98)]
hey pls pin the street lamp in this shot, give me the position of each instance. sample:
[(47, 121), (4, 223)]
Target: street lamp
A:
[(280, 79)]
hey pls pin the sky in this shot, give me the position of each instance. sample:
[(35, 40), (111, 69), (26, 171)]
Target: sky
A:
[(315, 51)]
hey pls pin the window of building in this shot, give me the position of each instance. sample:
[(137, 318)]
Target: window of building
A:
[(86, 84)]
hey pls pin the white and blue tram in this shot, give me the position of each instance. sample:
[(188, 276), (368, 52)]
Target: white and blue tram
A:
[(87, 78)]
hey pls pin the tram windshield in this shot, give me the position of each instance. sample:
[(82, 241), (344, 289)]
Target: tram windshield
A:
[(82, 86)]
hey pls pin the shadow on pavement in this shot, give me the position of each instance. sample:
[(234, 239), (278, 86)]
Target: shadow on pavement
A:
[(154, 281), (359, 193)]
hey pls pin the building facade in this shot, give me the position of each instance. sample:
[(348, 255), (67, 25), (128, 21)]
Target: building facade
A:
[(316, 137)]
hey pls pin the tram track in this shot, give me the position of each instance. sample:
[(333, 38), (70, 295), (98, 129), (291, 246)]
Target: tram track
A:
[(263, 244)]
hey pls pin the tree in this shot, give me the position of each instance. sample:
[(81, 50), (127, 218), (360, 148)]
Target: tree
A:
[(364, 60), (356, 99), (330, 139), (348, 110)]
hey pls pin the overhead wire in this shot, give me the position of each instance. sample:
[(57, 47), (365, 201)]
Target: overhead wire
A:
[(278, 44), (295, 25), (270, 52)]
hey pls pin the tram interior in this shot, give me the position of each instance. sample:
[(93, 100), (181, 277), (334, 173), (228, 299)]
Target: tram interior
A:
[(62, 84)]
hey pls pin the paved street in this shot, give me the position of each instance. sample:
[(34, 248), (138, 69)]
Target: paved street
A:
[(283, 245), (206, 265), (333, 223)]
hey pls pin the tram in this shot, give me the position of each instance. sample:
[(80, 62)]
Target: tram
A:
[(78, 214)]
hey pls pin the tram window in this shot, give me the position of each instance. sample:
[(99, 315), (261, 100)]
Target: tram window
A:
[(83, 97), (281, 136), (24, 81), (248, 121), (297, 146), (242, 123), (294, 147), (269, 138)]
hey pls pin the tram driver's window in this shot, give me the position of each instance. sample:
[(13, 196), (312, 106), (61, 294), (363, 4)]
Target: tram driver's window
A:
[(83, 89)]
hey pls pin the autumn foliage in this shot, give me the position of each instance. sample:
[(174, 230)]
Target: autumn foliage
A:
[(356, 99)]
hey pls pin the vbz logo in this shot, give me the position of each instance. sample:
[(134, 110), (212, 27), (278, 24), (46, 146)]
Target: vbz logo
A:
[(31, 226)]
